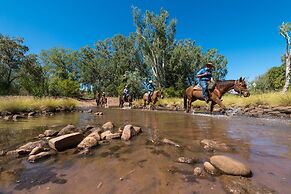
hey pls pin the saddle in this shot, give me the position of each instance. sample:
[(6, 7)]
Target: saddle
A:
[(210, 86)]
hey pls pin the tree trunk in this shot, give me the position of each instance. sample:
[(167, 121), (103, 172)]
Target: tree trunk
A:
[(287, 73)]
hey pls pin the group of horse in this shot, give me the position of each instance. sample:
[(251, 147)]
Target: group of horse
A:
[(193, 93)]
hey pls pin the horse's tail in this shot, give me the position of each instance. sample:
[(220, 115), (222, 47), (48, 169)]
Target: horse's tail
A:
[(185, 101)]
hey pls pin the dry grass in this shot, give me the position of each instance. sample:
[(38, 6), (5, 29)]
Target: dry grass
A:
[(16, 104), (271, 99)]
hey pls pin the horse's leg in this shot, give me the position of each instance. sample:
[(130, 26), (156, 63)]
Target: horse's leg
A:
[(189, 104), (212, 106), (219, 102)]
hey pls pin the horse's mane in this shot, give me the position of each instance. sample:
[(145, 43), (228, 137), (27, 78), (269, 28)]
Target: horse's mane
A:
[(224, 82)]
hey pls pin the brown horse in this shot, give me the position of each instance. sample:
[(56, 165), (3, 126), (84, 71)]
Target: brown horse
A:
[(154, 97), (221, 87), (103, 101), (98, 98), (123, 99)]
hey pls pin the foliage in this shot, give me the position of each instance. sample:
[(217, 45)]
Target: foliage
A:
[(62, 71), (273, 79), (18, 69)]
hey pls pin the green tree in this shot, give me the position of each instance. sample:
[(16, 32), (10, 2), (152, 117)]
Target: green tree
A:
[(12, 57), (62, 70), (155, 36)]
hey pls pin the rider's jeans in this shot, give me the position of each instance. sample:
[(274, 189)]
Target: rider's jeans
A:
[(203, 84)]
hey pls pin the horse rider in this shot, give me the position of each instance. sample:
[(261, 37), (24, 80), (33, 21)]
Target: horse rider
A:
[(151, 89), (125, 92), (205, 75)]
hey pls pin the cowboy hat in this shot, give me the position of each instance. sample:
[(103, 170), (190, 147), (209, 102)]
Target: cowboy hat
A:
[(209, 64)]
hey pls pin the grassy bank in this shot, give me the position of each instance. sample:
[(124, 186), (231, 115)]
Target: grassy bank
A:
[(270, 99), (15, 104)]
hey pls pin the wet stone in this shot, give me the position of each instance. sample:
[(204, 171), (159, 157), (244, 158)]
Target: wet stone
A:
[(170, 142), (186, 160), (39, 156), (211, 145), (197, 171), (108, 126), (68, 129), (50, 133), (230, 166), (242, 185), (67, 141), (209, 168), (27, 148)]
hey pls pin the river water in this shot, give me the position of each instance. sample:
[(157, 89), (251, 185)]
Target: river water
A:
[(139, 166)]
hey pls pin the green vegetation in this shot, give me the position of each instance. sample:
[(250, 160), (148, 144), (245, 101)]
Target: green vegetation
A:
[(271, 99), (151, 52), (16, 104)]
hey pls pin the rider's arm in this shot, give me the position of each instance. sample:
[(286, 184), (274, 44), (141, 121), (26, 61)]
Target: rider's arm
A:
[(202, 73)]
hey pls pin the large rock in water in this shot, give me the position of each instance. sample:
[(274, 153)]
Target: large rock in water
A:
[(211, 145), (68, 129), (90, 141), (129, 131), (27, 148), (65, 141), (108, 126), (230, 166)]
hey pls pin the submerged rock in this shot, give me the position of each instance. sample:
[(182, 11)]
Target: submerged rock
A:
[(27, 148), (68, 129), (36, 150), (12, 154), (230, 166), (39, 156), (242, 185), (170, 142), (211, 145), (186, 160), (67, 141), (197, 171)]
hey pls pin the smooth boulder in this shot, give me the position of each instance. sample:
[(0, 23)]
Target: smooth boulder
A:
[(210, 168), (211, 145), (67, 141), (90, 141), (129, 131), (230, 166), (108, 126)]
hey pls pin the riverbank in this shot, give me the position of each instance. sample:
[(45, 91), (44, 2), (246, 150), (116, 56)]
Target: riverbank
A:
[(23, 106), (273, 104)]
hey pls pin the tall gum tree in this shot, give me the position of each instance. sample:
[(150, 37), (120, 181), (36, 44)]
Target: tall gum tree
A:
[(285, 30)]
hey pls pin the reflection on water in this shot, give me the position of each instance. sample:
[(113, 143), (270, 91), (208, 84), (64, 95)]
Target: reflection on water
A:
[(264, 145)]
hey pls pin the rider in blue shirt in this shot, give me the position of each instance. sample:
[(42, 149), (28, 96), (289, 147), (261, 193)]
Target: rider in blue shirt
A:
[(125, 92), (205, 75), (151, 89)]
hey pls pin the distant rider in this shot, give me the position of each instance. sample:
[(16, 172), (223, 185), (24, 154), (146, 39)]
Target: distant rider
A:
[(205, 75), (125, 92), (151, 89)]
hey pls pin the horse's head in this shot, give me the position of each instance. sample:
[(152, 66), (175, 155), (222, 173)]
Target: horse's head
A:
[(240, 87), (161, 93)]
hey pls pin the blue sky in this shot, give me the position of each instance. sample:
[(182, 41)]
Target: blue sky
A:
[(245, 31)]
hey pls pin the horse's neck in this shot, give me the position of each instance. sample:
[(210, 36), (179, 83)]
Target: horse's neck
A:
[(225, 86)]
